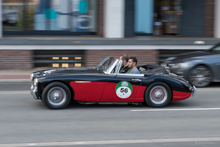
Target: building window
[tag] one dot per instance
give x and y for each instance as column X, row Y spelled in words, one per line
column 50, row 15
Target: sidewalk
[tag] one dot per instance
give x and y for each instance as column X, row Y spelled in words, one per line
column 15, row 76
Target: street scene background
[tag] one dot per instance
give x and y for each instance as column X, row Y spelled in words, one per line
column 49, row 34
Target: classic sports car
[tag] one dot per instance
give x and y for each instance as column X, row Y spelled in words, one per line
column 103, row 83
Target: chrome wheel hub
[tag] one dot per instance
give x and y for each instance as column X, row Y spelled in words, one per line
column 158, row 95
column 56, row 96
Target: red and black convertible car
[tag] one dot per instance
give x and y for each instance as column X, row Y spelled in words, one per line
column 103, row 83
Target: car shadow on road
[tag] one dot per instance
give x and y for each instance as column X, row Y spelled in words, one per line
column 101, row 106
column 76, row 105
column 179, row 104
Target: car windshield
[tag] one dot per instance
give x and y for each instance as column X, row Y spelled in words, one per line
column 215, row 49
column 106, row 63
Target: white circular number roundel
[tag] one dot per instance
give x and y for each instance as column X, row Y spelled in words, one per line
column 123, row 89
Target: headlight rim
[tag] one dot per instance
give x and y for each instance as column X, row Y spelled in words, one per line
column 32, row 76
column 35, row 81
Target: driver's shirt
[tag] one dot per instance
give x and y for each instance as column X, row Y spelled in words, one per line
column 124, row 69
column 133, row 71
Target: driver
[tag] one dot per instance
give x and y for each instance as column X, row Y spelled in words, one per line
column 132, row 63
column 124, row 67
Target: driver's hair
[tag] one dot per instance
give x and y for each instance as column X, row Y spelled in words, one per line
column 134, row 59
column 124, row 57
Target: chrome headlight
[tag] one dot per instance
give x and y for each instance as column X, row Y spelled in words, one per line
column 32, row 76
column 179, row 65
column 35, row 81
column 183, row 65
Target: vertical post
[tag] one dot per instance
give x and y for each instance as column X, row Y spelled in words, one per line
column 25, row 19
column 1, row 19
column 129, row 18
column 217, row 19
column 114, row 18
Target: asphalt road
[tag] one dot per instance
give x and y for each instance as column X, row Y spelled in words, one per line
column 27, row 122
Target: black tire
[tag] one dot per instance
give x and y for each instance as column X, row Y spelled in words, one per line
column 56, row 95
column 200, row 76
column 158, row 94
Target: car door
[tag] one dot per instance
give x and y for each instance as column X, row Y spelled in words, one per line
column 122, row 87
column 89, row 87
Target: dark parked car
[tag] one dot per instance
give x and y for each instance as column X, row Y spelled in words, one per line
column 200, row 67
column 103, row 83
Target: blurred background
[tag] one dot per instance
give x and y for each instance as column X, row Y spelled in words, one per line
column 78, row 33
column 39, row 34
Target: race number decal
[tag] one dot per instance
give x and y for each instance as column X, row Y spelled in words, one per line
column 123, row 89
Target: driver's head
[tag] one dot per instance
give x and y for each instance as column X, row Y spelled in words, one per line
column 132, row 62
column 124, row 59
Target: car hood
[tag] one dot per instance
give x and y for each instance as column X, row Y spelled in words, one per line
column 178, row 78
column 57, row 71
column 185, row 56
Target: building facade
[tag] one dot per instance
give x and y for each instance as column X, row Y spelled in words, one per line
column 114, row 19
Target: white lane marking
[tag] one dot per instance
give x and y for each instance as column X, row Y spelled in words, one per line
column 15, row 92
column 105, row 142
column 32, row 144
column 186, row 109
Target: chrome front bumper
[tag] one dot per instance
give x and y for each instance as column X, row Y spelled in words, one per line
column 194, row 91
column 34, row 92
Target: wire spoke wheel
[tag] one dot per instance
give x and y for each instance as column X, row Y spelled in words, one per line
column 158, row 94
column 56, row 95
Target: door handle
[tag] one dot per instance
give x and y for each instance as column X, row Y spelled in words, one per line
column 136, row 80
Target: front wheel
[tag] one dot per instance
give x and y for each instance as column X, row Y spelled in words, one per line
column 56, row 95
column 158, row 95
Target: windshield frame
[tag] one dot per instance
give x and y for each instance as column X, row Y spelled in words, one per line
column 110, row 66
column 116, row 65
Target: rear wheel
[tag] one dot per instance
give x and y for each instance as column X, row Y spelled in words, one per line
column 158, row 95
column 56, row 95
column 200, row 76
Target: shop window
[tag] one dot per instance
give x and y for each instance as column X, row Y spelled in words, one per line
column 12, row 15
column 167, row 15
column 50, row 15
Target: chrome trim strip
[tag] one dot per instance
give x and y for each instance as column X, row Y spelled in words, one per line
column 83, row 81
column 136, row 80
column 128, row 75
